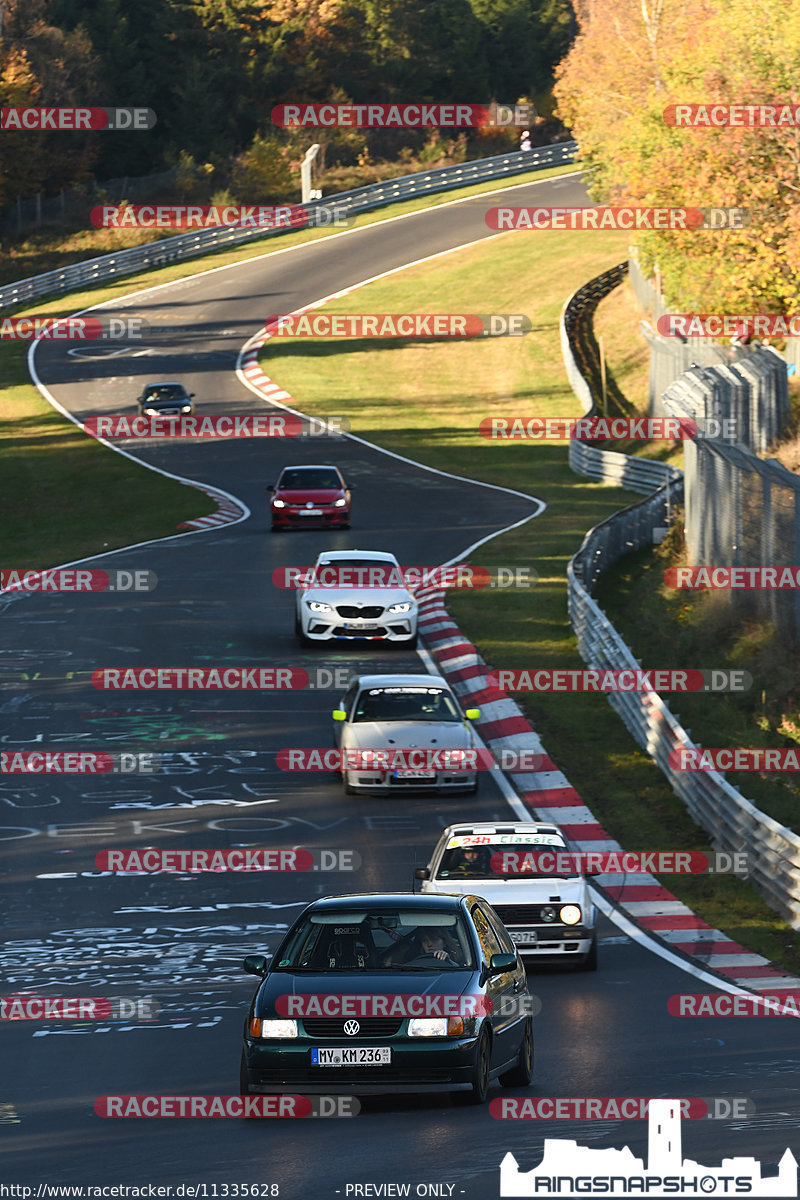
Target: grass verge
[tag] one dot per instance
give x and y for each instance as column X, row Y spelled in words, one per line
column 426, row 400
column 65, row 495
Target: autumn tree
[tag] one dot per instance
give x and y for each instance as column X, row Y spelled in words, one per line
column 633, row 59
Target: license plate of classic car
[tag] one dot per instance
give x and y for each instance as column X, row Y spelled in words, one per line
column 524, row 937
column 351, row 1056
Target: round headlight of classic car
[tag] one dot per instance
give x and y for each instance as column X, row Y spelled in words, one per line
column 570, row 914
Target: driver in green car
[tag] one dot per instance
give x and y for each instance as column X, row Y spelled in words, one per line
column 431, row 941
column 436, row 942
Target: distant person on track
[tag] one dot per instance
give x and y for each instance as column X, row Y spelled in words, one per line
column 525, row 140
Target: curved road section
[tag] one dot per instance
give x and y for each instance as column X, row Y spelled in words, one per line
column 74, row 929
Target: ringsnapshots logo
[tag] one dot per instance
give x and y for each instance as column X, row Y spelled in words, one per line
column 266, row 1107
column 71, row 579
column 625, row 218
column 568, row 1169
column 732, row 116
column 153, row 861
column 401, row 116
column 728, row 325
column 25, row 1007
column 397, row 325
column 219, row 216
column 76, row 120
column 224, row 426
column 73, row 329
column 620, row 680
column 78, row 762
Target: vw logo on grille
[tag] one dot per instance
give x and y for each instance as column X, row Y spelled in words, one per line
column 309, row 503
column 351, row 1028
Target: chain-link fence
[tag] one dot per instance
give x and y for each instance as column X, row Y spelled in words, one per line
column 741, row 510
column 670, row 357
column 75, row 204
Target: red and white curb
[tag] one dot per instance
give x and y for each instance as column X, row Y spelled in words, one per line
column 550, row 797
column 228, row 511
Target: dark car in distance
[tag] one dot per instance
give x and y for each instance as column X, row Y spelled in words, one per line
column 308, row 496
column 390, row 992
column 165, row 400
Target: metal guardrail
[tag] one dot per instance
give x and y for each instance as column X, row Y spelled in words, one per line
column 581, row 359
column 733, row 822
column 357, row 200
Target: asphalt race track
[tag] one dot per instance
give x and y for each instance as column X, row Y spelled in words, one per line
column 73, row 930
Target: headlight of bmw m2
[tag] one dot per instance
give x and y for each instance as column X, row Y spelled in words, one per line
column 318, row 606
column 405, row 606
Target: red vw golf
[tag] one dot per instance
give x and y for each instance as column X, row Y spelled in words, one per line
column 308, row 496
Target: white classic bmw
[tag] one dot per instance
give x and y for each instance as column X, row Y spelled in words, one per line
column 523, row 870
column 405, row 731
column 356, row 594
